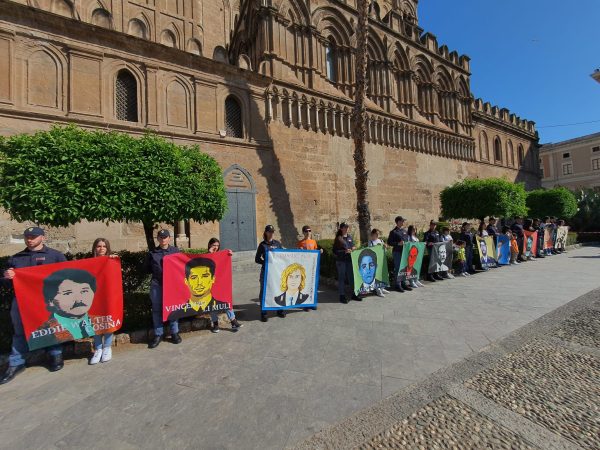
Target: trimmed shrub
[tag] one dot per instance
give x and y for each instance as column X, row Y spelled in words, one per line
column 558, row 202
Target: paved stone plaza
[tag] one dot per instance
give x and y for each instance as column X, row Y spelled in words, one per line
column 274, row 385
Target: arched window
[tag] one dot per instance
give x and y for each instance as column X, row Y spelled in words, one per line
column 521, row 155
column 331, row 57
column 511, row 153
column 233, row 118
column 126, row 102
column 101, row 17
column 497, row 149
column 484, row 148
column 137, row 28
column 194, row 47
column 168, row 38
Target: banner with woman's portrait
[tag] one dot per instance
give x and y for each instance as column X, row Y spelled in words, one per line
column 69, row 300
column 370, row 269
column 291, row 279
column 548, row 238
column 531, row 240
column 412, row 258
column 561, row 237
column 503, row 249
column 196, row 284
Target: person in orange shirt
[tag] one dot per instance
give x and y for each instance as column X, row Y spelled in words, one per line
column 308, row 243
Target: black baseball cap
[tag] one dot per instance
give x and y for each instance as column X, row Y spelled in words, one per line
column 164, row 234
column 432, row 222
column 269, row 228
column 399, row 219
column 306, row 228
column 343, row 225
column 34, row 231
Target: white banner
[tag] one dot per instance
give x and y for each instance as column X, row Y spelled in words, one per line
column 291, row 279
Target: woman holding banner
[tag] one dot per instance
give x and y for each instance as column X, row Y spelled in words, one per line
column 214, row 245
column 102, row 342
column 342, row 247
column 267, row 244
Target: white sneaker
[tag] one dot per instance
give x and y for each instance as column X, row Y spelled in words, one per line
column 463, row 274
column 95, row 359
column 379, row 293
column 450, row 276
column 385, row 291
column 414, row 285
column 467, row 274
column 420, row 284
column 107, row 354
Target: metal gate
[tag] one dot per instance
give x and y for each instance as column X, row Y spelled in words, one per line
column 238, row 226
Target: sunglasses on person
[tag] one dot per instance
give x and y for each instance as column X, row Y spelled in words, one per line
column 308, row 231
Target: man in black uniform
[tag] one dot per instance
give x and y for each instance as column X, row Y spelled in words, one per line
column 36, row 254
column 517, row 229
column 432, row 236
column 154, row 265
column 396, row 240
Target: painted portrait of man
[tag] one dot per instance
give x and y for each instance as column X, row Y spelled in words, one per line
column 293, row 281
column 199, row 279
column 440, row 259
column 411, row 271
column 367, row 268
column 68, row 295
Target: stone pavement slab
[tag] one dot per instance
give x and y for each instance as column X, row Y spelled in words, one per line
column 272, row 385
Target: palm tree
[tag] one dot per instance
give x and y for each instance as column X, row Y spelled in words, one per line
column 359, row 121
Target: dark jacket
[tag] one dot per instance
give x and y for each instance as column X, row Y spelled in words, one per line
column 517, row 229
column 468, row 238
column 341, row 245
column 492, row 231
column 432, row 237
column 28, row 258
column 263, row 248
column 396, row 239
column 154, row 261
column 280, row 299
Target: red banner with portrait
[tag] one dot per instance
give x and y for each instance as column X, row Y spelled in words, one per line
column 196, row 284
column 70, row 300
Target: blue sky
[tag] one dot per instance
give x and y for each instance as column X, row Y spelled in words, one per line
column 533, row 57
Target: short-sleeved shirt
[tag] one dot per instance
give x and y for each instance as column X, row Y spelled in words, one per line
column 307, row 244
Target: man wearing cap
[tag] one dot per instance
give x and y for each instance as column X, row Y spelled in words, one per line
column 432, row 236
column 154, row 266
column 396, row 240
column 491, row 229
column 36, row 254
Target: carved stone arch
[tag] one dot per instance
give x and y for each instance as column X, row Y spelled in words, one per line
column 139, row 26
column 398, row 56
column 497, row 149
column 462, row 87
column 178, row 105
column 298, row 8
column 225, row 93
column 171, row 36
column 44, row 83
column 194, row 46
column 484, row 146
column 376, row 48
column 109, row 75
column 330, row 21
column 238, row 179
column 92, row 6
column 220, row 54
column 64, row 8
column 244, row 62
column 443, row 79
column 101, row 18
column 423, row 68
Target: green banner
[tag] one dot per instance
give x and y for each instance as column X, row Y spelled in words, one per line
column 370, row 269
column 412, row 257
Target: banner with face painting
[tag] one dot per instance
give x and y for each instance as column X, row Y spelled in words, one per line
column 291, row 279
column 530, row 246
column 548, row 242
column 370, row 269
column 561, row 237
column 503, row 249
column 70, row 300
column 410, row 264
column 487, row 252
column 196, row 284
column 440, row 257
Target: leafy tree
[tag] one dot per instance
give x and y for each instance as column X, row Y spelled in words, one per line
column 65, row 175
column 588, row 214
column 475, row 198
column 557, row 202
